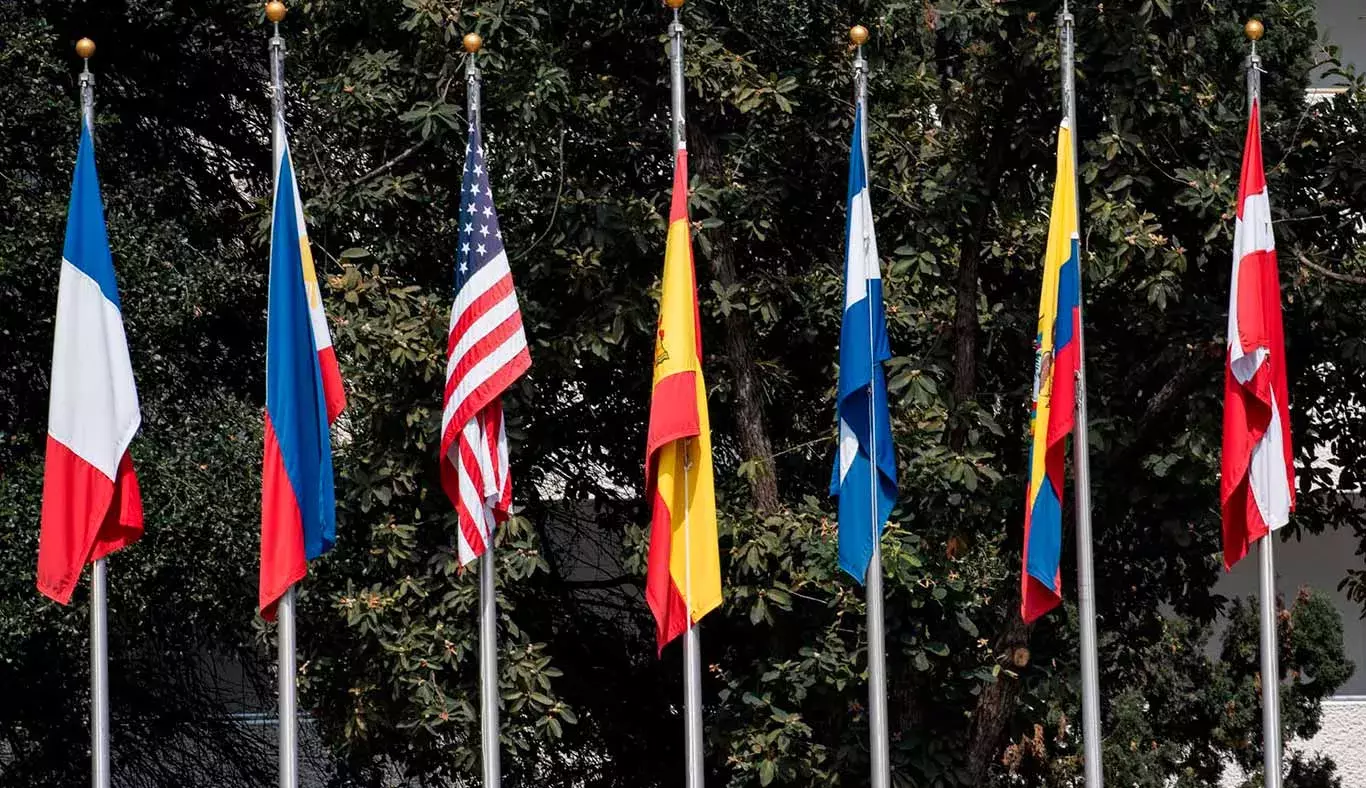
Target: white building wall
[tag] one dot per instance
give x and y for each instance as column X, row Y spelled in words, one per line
column 1343, row 22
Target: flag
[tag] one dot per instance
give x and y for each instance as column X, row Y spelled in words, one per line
column 1056, row 357
column 865, row 426
column 683, row 575
column 91, row 503
column 1257, row 488
column 486, row 352
column 304, row 396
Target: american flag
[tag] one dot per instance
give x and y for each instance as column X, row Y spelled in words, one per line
column 487, row 351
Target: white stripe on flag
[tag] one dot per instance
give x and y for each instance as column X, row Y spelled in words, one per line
column 1266, row 472
column 93, row 409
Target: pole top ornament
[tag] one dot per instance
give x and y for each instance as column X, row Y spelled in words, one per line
column 85, row 48
column 473, row 43
column 674, row 4
column 275, row 11
column 1253, row 30
column 858, row 34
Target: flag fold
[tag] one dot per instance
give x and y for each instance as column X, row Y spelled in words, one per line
column 1257, row 486
column 91, row 502
column 866, row 497
column 1056, row 359
column 683, row 573
column 304, row 396
column 486, row 352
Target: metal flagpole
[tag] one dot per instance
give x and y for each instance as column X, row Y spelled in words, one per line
column 692, row 649
column 99, row 589
column 1270, row 644
column 488, row 602
column 1081, row 461
column 878, row 745
column 287, row 667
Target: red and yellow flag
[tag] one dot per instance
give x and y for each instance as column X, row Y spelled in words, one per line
column 683, row 579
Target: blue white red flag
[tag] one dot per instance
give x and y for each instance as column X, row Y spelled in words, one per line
column 304, row 396
column 1056, row 360
column 486, row 352
column 866, row 496
column 91, row 503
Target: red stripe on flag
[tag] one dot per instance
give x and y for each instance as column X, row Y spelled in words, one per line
column 663, row 596
column 334, row 394
column 282, row 529
column 85, row 517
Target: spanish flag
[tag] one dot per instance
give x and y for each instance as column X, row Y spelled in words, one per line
column 683, row 579
column 1056, row 359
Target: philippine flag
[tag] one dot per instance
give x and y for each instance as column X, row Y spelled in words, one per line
column 91, row 503
column 304, row 396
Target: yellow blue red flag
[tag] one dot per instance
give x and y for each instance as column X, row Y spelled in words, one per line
column 1056, row 357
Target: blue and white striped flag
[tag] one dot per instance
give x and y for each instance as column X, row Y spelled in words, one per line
column 865, row 426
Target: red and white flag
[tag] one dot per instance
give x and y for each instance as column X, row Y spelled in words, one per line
column 1258, row 473
column 487, row 351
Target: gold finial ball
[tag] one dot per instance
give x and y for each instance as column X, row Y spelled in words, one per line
column 85, row 48
column 674, row 4
column 1254, row 30
column 473, row 42
column 858, row 34
column 275, row 11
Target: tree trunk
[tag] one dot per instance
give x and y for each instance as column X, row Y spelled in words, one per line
column 750, row 425
column 997, row 701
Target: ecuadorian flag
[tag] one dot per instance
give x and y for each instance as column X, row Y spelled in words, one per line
column 683, row 573
column 304, row 395
column 1056, row 359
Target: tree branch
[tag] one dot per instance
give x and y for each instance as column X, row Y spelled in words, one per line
column 554, row 210
column 1347, row 278
column 386, row 166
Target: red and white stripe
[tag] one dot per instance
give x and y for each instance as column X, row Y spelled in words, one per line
column 1258, row 473
column 487, row 351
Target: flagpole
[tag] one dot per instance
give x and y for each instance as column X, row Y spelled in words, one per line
column 1081, row 461
column 99, row 589
column 878, row 744
column 286, row 670
column 692, row 648
column 488, row 600
column 1270, row 644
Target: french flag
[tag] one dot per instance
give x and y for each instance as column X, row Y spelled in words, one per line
column 304, row 396
column 91, row 503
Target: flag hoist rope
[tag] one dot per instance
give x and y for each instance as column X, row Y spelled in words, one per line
column 878, row 739
column 1271, row 684
column 488, row 600
column 1081, row 457
column 99, row 589
column 287, row 667
column 692, row 651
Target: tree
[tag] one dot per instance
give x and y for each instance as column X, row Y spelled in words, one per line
column 965, row 112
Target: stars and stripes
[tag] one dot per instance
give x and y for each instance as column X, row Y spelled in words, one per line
column 487, row 351
column 1258, row 472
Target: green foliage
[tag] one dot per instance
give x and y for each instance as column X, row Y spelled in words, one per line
column 965, row 111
